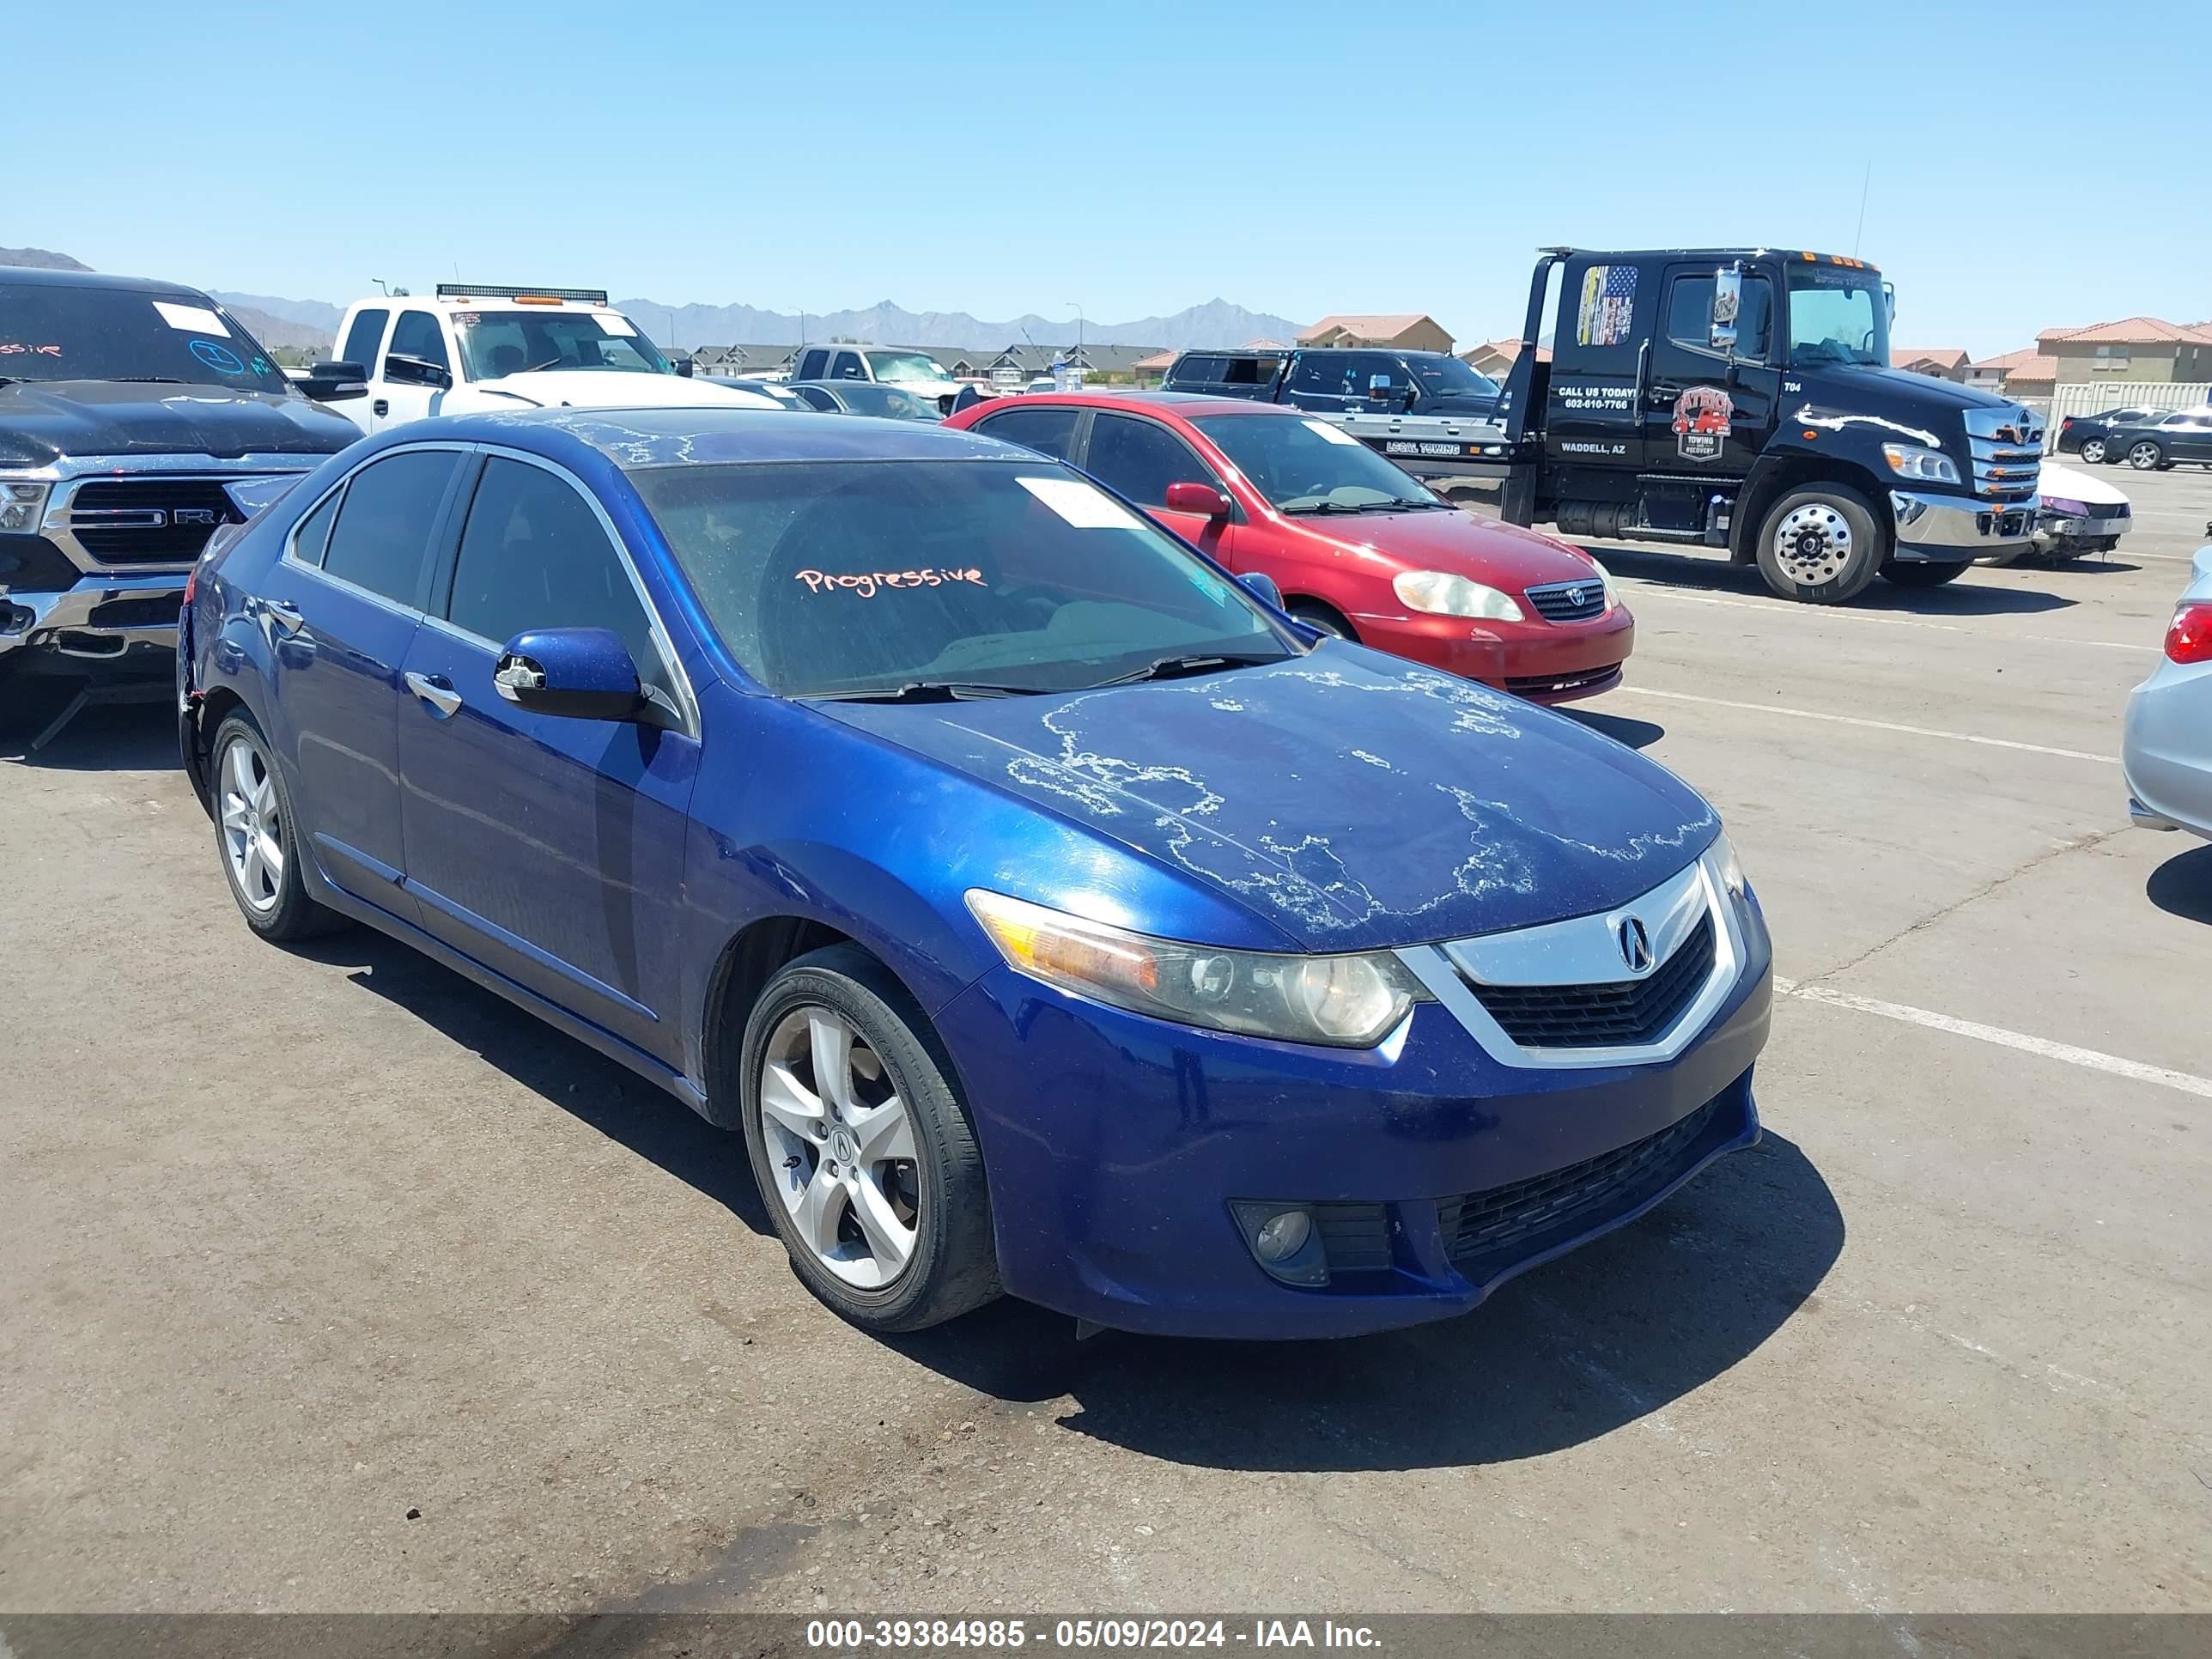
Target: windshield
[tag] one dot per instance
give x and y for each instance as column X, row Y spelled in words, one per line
column 1837, row 317
column 895, row 366
column 72, row 333
column 497, row 343
column 833, row 577
column 1448, row 377
column 1311, row 466
column 891, row 401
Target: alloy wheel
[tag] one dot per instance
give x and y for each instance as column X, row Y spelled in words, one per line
column 252, row 826
column 1813, row 543
column 2143, row 457
column 842, row 1141
column 2092, row 450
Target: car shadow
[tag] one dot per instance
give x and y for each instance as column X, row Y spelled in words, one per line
column 1569, row 1351
column 579, row 1079
column 1637, row 734
column 135, row 735
column 2182, row 886
column 1701, row 571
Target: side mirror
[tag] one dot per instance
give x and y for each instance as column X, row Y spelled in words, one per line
column 583, row 673
column 1198, row 498
column 333, row 383
column 1261, row 586
column 1728, row 295
column 1412, row 395
column 415, row 371
column 685, row 368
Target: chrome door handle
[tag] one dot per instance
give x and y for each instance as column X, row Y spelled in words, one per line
column 286, row 617
column 436, row 690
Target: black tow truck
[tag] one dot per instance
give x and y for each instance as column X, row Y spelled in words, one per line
column 1742, row 398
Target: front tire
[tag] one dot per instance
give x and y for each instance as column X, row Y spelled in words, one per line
column 1822, row 545
column 862, row 1147
column 259, row 839
column 2146, row 456
column 1920, row 572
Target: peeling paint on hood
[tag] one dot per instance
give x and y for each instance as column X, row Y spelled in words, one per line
column 1353, row 800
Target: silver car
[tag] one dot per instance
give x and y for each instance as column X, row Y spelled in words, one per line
column 2167, row 753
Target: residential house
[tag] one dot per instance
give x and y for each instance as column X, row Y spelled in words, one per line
column 2023, row 374
column 1496, row 358
column 1942, row 362
column 738, row 363
column 2133, row 349
column 1407, row 331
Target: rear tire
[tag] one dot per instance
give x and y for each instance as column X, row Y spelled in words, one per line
column 2092, row 451
column 865, row 1159
column 1917, row 572
column 1314, row 614
column 1822, row 545
column 258, row 841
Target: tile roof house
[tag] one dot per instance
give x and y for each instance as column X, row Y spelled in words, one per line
column 1409, row 332
column 2025, row 373
column 1944, row 362
column 2129, row 348
column 1496, row 358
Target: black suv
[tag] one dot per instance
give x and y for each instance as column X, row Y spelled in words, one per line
column 137, row 418
column 1341, row 379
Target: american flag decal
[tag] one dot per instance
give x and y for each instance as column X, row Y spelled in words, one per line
column 1609, row 305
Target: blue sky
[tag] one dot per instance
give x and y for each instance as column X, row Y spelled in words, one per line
column 1132, row 159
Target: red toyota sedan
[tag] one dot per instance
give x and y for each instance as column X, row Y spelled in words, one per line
column 1358, row 548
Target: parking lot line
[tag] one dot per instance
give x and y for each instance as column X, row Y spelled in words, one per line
column 1784, row 607
column 2094, row 1060
column 1876, row 725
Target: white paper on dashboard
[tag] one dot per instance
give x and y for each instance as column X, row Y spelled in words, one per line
column 192, row 319
column 1082, row 505
column 615, row 323
column 1336, row 434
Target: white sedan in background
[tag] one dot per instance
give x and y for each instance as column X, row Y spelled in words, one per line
column 2165, row 754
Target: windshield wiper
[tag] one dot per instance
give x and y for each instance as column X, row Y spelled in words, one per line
column 1168, row 668
column 926, row 691
column 148, row 380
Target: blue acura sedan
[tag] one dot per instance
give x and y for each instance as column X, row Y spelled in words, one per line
column 1049, row 914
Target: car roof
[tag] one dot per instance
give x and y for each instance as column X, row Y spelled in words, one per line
column 1184, row 403
column 666, row 437
column 40, row 277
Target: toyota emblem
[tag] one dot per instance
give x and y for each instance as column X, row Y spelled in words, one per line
column 1635, row 940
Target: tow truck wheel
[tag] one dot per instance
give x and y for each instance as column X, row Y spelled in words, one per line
column 1820, row 545
column 1921, row 573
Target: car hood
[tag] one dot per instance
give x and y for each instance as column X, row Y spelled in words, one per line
column 1871, row 382
column 2070, row 483
column 601, row 388
column 1352, row 801
column 1502, row 554
column 43, row 421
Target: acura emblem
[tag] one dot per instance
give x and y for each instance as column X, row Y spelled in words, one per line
column 1635, row 942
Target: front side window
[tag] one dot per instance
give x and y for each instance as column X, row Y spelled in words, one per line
column 1141, row 458
column 1690, row 315
column 417, row 335
column 1448, row 377
column 894, row 578
column 520, row 340
column 810, row 364
column 65, row 332
column 362, row 339
column 895, row 366
column 818, row 398
column 846, row 367
column 1309, row 466
column 1049, row 431
column 382, row 537
column 1837, row 315
column 534, row 555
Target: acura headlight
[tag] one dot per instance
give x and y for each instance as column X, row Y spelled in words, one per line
column 1927, row 465
column 1441, row 593
column 21, row 507
column 1346, row 1002
column 1720, row 855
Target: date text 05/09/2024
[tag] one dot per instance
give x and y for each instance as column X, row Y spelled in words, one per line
column 1008, row 1635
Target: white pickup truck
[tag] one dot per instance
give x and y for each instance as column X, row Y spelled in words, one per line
column 471, row 350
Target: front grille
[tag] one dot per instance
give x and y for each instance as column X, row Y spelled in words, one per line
column 2105, row 509
column 1562, row 602
column 1543, row 686
column 1505, row 1221
column 32, row 565
column 2006, row 447
column 145, row 529
column 1629, row 1012
column 1355, row 1237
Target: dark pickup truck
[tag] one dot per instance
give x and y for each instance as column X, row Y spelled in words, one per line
column 137, row 418
column 1426, row 410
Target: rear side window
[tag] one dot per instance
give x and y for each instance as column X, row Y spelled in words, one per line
column 362, row 339
column 1324, row 376
column 417, row 335
column 816, row 396
column 535, row 555
column 1248, row 371
column 1191, row 370
column 810, row 364
column 1049, row 431
column 382, row 538
column 1140, row 459
column 314, row 534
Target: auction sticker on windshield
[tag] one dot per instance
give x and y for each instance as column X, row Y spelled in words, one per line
column 1082, row 505
column 613, row 322
column 191, row 320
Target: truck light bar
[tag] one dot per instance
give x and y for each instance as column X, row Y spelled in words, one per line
column 596, row 296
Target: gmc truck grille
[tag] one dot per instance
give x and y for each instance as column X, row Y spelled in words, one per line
column 1499, row 1222
column 1622, row 1014
column 1561, row 602
column 148, row 521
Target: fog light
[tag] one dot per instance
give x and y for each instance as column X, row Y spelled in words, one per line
column 1282, row 1239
